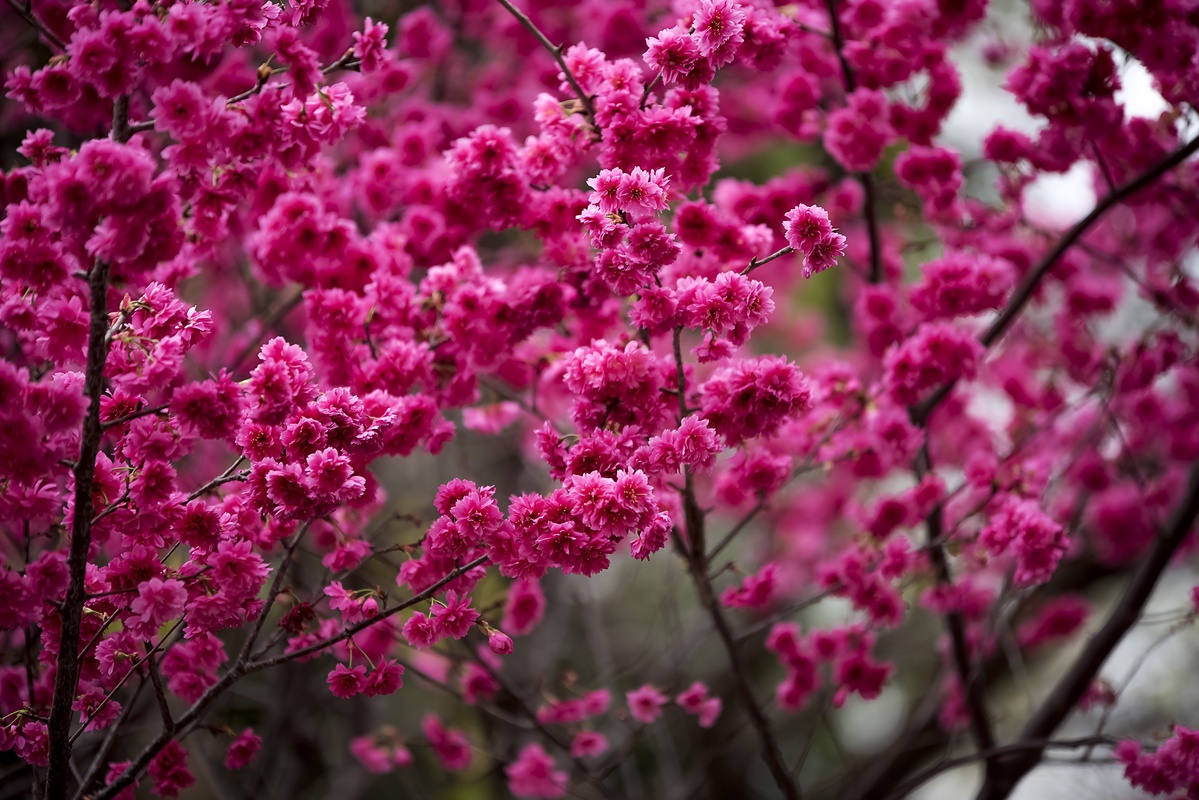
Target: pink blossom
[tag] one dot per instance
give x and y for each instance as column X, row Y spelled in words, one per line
column 587, row 744
column 533, row 774
column 385, row 678
column 157, row 601
column 243, row 750
column 451, row 747
column 645, row 704
column 500, row 643
column 347, row 681
column 672, row 52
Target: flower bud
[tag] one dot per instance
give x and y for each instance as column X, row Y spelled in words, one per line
column 500, row 643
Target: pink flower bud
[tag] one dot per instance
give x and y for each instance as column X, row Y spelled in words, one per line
column 500, row 643
column 370, row 607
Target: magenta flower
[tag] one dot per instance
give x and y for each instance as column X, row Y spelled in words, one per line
column 345, row 681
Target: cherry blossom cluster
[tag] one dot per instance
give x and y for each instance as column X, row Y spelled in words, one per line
column 250, row 253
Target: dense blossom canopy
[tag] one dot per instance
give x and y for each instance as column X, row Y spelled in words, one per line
column 253, row 250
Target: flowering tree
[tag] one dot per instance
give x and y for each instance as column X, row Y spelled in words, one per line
column 252, row 249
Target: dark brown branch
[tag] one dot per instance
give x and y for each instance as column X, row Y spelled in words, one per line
column 921, row 778
column 228, row 476
column 555, row 50
column 649, row 87
column 771, row 752
column 120, row 119
column 265, row 73
column 756, row 262
column 160, row 695
column 522, row 705
column 923, row 736
column 132, row 415
column 50, row 36
column 100, row 759
column 66, row 679
column 758, row 508
column 366, row 623
column 693, row 550
column 276, row 584
column 1028, row 286
column 870, row 211
column 242, row 668
column 133, row 670
column 680, row 373
column 1074, row 684
column 972, row 689
column 807, row 466
column 870, row 204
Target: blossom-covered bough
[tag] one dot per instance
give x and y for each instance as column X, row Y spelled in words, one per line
column 252, row 249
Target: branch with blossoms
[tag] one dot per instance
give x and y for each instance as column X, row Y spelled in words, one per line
column 844, row 126
column 253, row 265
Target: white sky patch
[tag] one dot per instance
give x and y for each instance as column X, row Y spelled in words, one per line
column 1060, row 200
column 983, row 106
column 1137, row 93
column 868, row 726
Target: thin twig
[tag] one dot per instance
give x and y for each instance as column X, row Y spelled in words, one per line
column 66, row 679
column 756, row 262
column 972, row 690
column 276, row 584
column 133, row 668
column 694, row 520
column 50, row 36
column 1074, row 684
column 228, row 476
column 921, row 778
column 366, row 623
column 649, row 87
column 100, row 759
column 522, row 706
column 758, row 508
column 265, row 73
column 869, row 205
column 193, row 715
column 555, row 50
column 160, row 695
column 132, row 415
column 1027, row 288
column 1142, row 659
column 272, row 318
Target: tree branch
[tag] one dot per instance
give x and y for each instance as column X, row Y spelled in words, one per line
column 255, row 666
column 1024, row 292
column 693, row 550
column 870, row 205
column 756, row 262
column 1028, row 286
column 100, row 758
column 272, row 318
column 243, row 668
column 66, row 679
column 50, row 36
column 1070, row 689
column 160, row 695
column 276, row 584
column 228, row 476
column 921, row 778
column 555, row 50
column 972, row 689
